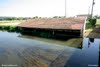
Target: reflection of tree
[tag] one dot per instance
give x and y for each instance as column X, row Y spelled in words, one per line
column 81, row 45
column 91, row 40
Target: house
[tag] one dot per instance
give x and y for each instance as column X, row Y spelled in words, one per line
column 73, row 26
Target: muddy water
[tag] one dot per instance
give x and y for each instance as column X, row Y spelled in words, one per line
column 18, row 50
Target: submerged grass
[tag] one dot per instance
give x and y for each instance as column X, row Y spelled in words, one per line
column 72, row 42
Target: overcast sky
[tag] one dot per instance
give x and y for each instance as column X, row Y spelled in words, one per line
column 46, row 8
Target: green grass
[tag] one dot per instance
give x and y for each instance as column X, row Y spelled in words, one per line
column 98, row 22
column 9, row 28
column 11, row 23
column 89, row 26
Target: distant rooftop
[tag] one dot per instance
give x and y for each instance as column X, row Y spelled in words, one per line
column 85, row 15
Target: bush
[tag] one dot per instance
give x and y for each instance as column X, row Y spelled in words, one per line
column 9, row 28
column 92, row 21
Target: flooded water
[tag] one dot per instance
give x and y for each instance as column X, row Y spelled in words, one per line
column 18, row 50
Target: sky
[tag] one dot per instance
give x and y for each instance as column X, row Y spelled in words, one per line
column 47, row 8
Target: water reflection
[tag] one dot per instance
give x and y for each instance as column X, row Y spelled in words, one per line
column 88, row 56
column 71, row 42
column 29, row 51
column 90, row 41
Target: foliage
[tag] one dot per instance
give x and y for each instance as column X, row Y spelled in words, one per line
column 13, row 18
column 97, row 17
column 35, row 17
column 25, row 18
column 9, row 28
column 59, row 17
column 88, row 26
column 92, row 21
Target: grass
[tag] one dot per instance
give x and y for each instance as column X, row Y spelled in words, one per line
column 11, row 23
column 92, row 31
column 89, row 26
column 8, row 21
column 98, row 22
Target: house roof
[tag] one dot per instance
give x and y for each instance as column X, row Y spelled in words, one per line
column 74, row 23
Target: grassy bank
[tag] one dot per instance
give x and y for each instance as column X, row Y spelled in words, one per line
column 93, row 31
column 89, row 27
column 9, row 28
column 98, row 22
column 11, row 23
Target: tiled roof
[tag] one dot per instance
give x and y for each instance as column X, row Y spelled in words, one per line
column 74, row 23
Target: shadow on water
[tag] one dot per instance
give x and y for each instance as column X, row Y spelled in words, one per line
column 49, row 36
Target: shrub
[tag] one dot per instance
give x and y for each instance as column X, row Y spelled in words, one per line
column 92, row 21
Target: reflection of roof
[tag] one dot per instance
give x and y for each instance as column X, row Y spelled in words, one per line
column 75, row 23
